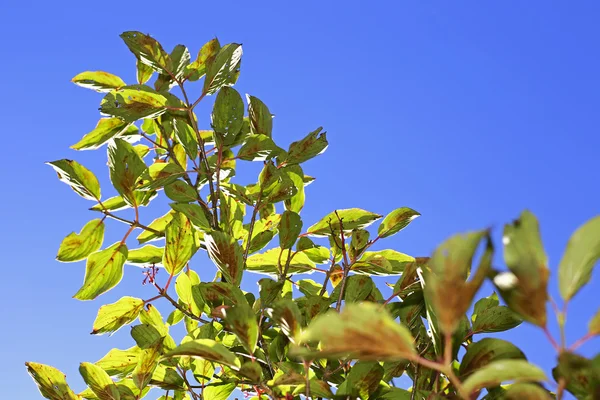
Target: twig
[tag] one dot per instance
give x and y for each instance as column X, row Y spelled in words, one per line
column 175, row 304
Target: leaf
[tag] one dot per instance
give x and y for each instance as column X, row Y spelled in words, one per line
column 159, row 175
column 76, row 247
column 104, row 270
column 261, row 120
column 242, row 322
column 133, row 102
column 258, row 148
column 488, row 316
column 81, row 180
column 397, row 220
column 181, row 191
column 362, row 380
column 485, row 351
column 147, row 50
column 179, row 244
column 227, row 255
column 296, row 202
column 228, row 115
column 125, row 167
column 312, row 145
column 594, row 324
column 288, row 317
column 224, row 69
column 111, row 317
column 218, row 390
column 215, row 294
column 144, row 256
column 185, row 135
column 358, row 288
column 195, row 214
column 99, row 382
column 269, row 263
column 146, row 335
column 167, row 378
column 582, row 253
column 98, row 80
column 159, row 224
column 106, row 129
column 197, row 69
column 50, row 381
column 581, row 376
column 526, row 391
column 115, row 203
column 352, row 218
column 119, row 362
column 180, row 59
column 500, row 371
column 524, row 289
column 383, row 262
column 289, row 229
column 363, row 331
column 207, row 349
column 147, row 363
column 445, row 286
column 144, row 72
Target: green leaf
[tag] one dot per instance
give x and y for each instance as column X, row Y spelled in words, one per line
column 50, row 381
column 352, row 218
column 362, row 380
column 180, row 59
column 125, row 167
column 159, row 224
column 185, row 135
column 146, row 335
column 526, row 391
column 133, row 102
column 358, row 288
column 144, row 72
column 99, row 81
column 224, row 69
column 227, row 255
column 500, row 371
column 594, row 324
column 195, row 214
column 147, row 50
column 197, row 69
column 115, row 203
column 446, row 289
column 317, row 388
column 252, row 371
column 103, row 271
column 113, row 316
column 81, row 180
column 288, row 317
column 144, row 256
column 524, row 289
column 167, row 378
column 581, row 376
column 270, row 291
column 485, row 351
column 289, row 229
column 269, row 263
column 227, row 115
column 181, row 191
column 383, row 262
column 261, row 119
column 99, row 382
column 242, row 322
column 364, row 331
column 582, row 253
column 119, row 362
column 296, row 202
column 397, row 220
column 488, row 316
column 312, row 145
column 218, row 390
column 215, row 294
column 106, row 129
column 179, row 244
column 147, row 363
column 207, row 349
column 76, row 247
column 159, row 175
column 258, row 148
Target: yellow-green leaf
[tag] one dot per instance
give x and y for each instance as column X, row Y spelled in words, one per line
column 397, row 220
column 50, row 381
column 224, row 69
column 119, row 362
column 99, row 381
column 113, row 316
column 197, row 68
column 134, row 102
column 500, row 371
column 106, row 129
column 352, row 218
column 104, row 270
column 179, row 247
column 81, row 179
column 76, row 247
column 227, row 254
column 206, row 349
column 99, row 81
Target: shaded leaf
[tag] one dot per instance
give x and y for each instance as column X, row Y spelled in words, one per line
column 488, row 316
column 289, row 229
column 76, row 247
column 195, row 214
column 312, row 145
column 148, row 50
column 287, row 316
column 500, row 371
column 125, row 167
column 484, row 352
column 181, row 191
column 261, row 120
column 258, row 148
column 224, row 69
column 227, row 116
column 362, row 381
column 227, row 254
column 242, row 322
column 103, row 271
column 134, row 102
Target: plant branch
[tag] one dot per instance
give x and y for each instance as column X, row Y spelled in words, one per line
column 175, row 304
column 251, row 229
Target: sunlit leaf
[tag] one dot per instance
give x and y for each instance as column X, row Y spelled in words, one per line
column 258, row 148
column 312, row 145
column 352, row 218
column 146, row 256
column 119, row 362
column 99, row 382
column 224, row 69
column 208, row 350
column 397, row 220
column 159, row 224
column 99, row 81
column 113, row 316
column 76, row 247
column 500, row 371
column 261, row 120
column 197, row 68
column 270, row 263
column 195, row 214
column 148, row 50
column 81, row 180
column 103, row 271
column 106, row 129
column 227, row 254
column 134, row 102
column 50, row 381
column 125, row 167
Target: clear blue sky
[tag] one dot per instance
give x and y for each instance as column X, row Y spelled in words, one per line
column 466, row 111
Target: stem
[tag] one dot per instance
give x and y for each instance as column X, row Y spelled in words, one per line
column 252, row 222
column 346, row 264
column 551, row 339
column 447, row 348
column 561, row 388
column 444, row 369
column 134, row 224
column 175, row 304
column 581, row 341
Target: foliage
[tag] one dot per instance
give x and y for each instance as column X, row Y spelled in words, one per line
column 334, row 337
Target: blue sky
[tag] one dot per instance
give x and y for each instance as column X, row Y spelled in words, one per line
column 468, row 112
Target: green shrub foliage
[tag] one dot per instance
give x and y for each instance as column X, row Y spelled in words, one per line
column 318, row 326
